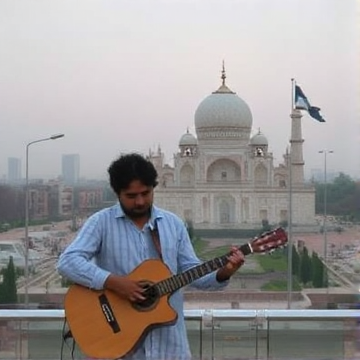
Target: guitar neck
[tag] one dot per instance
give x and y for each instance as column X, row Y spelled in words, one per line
column 176, row 282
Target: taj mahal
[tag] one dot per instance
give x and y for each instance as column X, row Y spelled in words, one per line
column 224, row 178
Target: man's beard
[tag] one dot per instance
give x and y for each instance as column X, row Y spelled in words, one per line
column 136, row 213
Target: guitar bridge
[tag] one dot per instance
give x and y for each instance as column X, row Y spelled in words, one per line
column 108, row 313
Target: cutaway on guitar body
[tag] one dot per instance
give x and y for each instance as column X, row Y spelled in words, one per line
column 105, row 325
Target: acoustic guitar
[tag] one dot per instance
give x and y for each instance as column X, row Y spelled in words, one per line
column 105, row 325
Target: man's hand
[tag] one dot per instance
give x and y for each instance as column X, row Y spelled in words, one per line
column 125, row 287
column 236, row 259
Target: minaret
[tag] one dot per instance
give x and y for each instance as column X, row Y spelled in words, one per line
column 296, row 149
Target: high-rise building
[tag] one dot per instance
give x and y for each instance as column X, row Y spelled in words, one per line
column 70, row 168
column 14, row 170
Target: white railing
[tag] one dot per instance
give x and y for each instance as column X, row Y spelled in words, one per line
column 213, row 334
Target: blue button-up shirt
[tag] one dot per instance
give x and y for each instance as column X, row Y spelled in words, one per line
column 109, row 242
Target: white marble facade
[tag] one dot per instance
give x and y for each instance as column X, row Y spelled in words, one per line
column 225, row 178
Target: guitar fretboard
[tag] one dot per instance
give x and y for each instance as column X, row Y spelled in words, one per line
column 176, row 282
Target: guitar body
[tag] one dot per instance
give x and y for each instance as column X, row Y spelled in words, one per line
column 105, row 325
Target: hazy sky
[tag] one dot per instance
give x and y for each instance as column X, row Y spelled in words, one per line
column 118, row 75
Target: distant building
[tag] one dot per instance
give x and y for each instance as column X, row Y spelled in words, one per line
column 89, row 199
column 55, row 199
column 66, row 201
column 14, row 170
column 38, row 201
column 70, row 168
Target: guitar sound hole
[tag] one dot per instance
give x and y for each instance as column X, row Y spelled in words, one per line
column 151, row 297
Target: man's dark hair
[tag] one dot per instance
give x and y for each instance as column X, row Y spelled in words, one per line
column 130, row 167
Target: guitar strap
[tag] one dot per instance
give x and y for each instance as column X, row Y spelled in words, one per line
column 156, row 240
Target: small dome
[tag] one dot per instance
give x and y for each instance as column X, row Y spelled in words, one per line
column 188, row 140
column 259, row 139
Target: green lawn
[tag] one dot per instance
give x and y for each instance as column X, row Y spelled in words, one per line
column 275, row 261
column 281, row 285
column 261, row 263
column 272, row 262
column 213, row 253
column 200, row 246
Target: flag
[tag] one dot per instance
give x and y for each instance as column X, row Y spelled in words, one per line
column 302, row 103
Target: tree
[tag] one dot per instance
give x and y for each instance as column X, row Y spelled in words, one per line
column 305, row 266
column 284, row 224
column 8, row 291
column 318, row 271
column 265, row 225
column 295, row 266
column 343, row 197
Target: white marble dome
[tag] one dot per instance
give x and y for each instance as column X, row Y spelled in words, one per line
column 188, row 140
column 259, row 139
column 223, row 109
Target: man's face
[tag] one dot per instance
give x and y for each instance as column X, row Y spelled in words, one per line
column 137, row 199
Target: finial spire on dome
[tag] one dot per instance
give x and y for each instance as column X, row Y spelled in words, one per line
column 223, row 89
column 223, row 73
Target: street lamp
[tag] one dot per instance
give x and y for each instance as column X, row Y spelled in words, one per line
column 52, row 137
column 325, row 152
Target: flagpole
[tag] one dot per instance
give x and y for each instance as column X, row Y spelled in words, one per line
column 289, row 157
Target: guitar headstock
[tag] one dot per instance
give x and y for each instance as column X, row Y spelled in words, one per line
column 269, row 240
